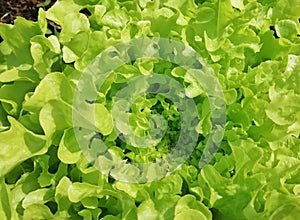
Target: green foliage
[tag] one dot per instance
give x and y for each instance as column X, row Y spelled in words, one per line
column 254, row 49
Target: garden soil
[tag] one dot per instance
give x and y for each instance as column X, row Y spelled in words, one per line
column 10, row 9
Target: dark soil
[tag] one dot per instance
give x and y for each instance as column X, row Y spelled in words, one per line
column 10, row 9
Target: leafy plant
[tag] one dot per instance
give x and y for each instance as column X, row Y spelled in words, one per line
column 254, row 50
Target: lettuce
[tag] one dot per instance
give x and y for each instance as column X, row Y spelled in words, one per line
column 116, row 89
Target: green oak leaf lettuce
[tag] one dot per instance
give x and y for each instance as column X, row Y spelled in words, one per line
column 253, row 48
